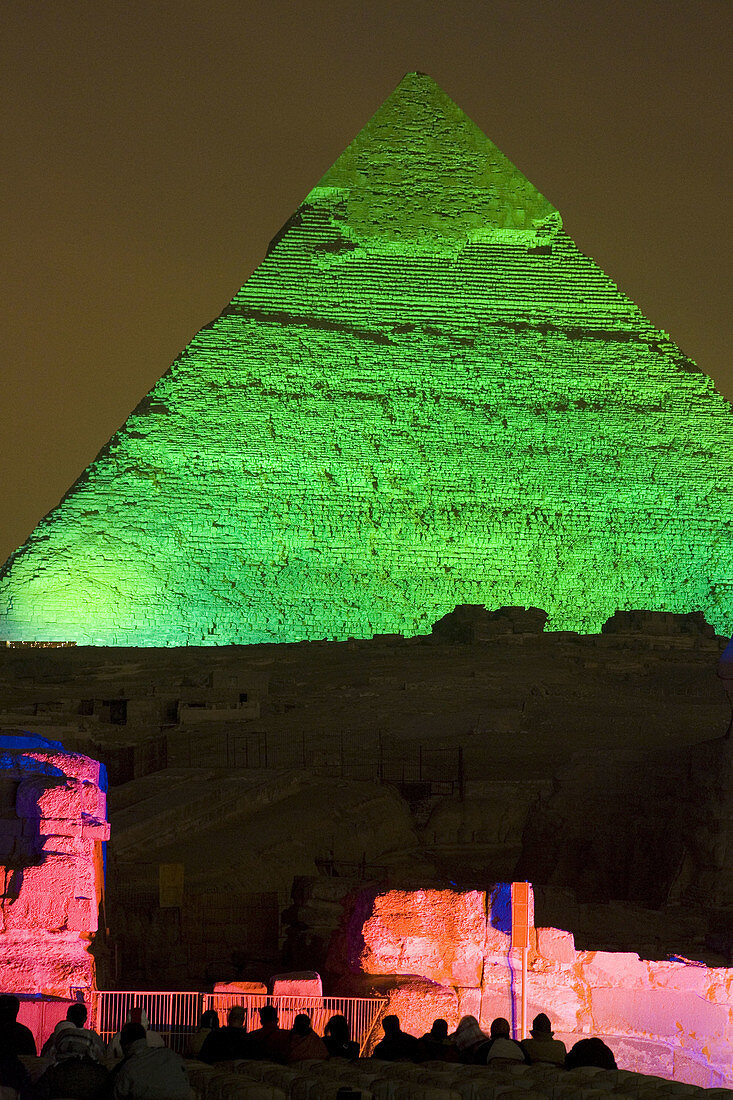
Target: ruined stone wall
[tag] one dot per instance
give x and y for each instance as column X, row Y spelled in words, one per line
column 439, row 953
column 52, row 832
column 424, row 396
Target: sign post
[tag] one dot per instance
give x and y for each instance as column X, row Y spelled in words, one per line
column 520, row 939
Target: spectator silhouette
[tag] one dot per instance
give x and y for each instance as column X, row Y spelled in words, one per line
column 139, row 1016
column 501, row 1049
column 590, row 1052
column 436, row 1044
column 468, row 1038
column 74, row 1073
column 15, row 1038
column 397, row 1045
column 148, row 1073
column 225, row 1043
column 269, row 1041
column 209, row 1022
column 305, row 1045
column 71, row 1038
column 542, row 1047
column 337, row 1038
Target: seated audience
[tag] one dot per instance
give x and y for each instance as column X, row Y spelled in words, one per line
column 501, row 1049
column 337, row 1038
column 74, row 1073
column 467, row 1038
column 15, row 1038
column 148, row 1073
column 397, row 1045
column 542, row 1047
column 209, row 1022
column 436, row 1044
column 590, row 1052
column 134, row 1016
column 224, row 1043
column 70, row 1037
column 305, row 1045
column 270, row 1041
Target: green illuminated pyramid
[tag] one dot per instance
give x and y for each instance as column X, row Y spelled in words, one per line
column 424, row 396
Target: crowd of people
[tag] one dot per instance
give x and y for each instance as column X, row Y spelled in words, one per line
column 469, row 1044
column 137, row 1065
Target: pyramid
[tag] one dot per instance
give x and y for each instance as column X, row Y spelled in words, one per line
column 424, row 396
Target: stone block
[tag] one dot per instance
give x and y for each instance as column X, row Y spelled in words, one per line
column 556, row 946
column 657, row 1012
column 614, row 968
column 305, row 983
column 240, row 987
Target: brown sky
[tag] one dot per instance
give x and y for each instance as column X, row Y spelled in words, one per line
column 151, row 149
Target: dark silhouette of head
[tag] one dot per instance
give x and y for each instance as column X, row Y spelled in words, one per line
column 500, row 1028
column 130, row 1034
column 268, row 1014
column 9, row 1008
column 590, row 1052
column 210, row 1019
column 235, row 1016
column 338, row 1028
column 302, row 1023
column 439, row 1030
column 77, row 1014
column 391, row 1025
column 541, row 1025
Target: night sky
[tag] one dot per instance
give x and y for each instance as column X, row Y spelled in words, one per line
column 151, row 150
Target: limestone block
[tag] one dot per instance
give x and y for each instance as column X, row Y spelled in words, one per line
column 556, row 946
column 305, row 983
column 559, row 994
column 37, row 910
column 699, row 980
column 52, row 965
column 241, row 987
column 658, row 1012
column 436, row 933
column 614, row 968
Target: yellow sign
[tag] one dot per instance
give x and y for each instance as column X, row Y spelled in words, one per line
column 170, row 885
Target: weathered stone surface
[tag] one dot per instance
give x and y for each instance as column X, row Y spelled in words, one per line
column 54, row 882
column 240, row 987
column 439, row 933
column 306, row 983
column 555, row 945
column 418, row 1002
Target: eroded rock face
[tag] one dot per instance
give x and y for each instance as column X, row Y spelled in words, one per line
column 449, row 954
column 52, row 830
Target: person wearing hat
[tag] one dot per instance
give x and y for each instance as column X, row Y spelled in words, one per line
column 542, row 1047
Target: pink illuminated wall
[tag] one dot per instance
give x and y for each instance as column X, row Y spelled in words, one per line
column 443, row 953
column 52, row 832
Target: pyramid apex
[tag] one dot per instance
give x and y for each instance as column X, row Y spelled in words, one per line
column 422, row 171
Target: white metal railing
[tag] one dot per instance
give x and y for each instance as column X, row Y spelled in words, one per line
column 176, row 1015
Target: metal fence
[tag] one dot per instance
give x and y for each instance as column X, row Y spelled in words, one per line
column 176, row 1015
